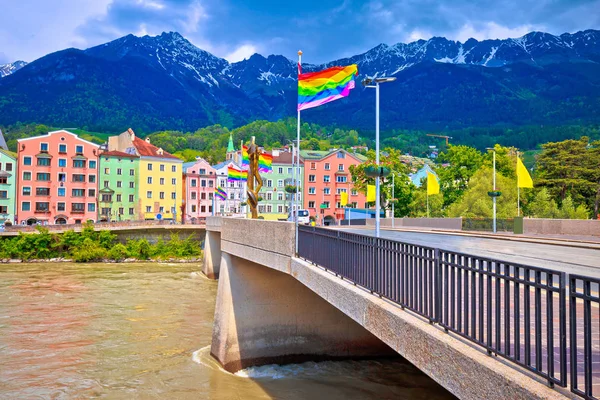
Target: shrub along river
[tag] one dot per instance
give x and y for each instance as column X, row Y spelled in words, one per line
column 142, row 331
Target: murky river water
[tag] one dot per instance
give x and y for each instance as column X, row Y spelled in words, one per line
column 143, row 331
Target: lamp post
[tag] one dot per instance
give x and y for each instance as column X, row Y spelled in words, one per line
column 494, row 194
column 374, row 83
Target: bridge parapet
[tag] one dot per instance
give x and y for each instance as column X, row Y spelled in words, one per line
column 213, row 224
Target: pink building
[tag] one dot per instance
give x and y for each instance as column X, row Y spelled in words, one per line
column 199, row 185
column 326, row 177
column 58, row 179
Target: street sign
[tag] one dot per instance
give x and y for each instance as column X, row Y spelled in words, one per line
column 323, row 206
column 494, row 194
column 159, row 216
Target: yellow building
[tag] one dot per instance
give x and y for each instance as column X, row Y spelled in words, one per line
column 160, row 177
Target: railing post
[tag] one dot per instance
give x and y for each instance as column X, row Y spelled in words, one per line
column 438, row 285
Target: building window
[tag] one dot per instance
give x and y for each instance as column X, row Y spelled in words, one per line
column 60, row 207
column 119, row 184
column 173, row 168
column 340, row 179
column 203, row 208
column 210, row 184
column 131, row 185
column 161, row 195
column 42, row 207
column 26, row 176
column 119, row 171
column 131, row 198
column 149, row 194
column 106, row 198
column 149, row 180
column 131, row 172
column 62, row 163
column 78, row 207
column 173, row 195
column 78, row 178
column 269, row 208
column 269, row 183
column 312, row 178
column 79, row 149
column 79, row 163
column 91, row 207
column 44, row 147
column 3, row 180
column 202, row 171
column 3, row 194
column 162, row 167
column 107, row 171
column 193, row 183
column 121, row 210
column 25, row 206
column 62, row 192
column 26, row 160
column 326, row 178
column 313, row 165
column 326, row 204
column 354, row 192
column 193, row 194
column 43, row 162
column 92, row 164
column 162, row 181
column 173, row 181
column 290, row 171
column 269, row 196
column 149, row 167
column 279, row 196
column 203, row 183
column 161, row 209
column 280, row 170
column 280, row 183
column 91, row 192
column 341, row 154
column 26, row 191
column 42, row 191
column 9, row 167
column 340, row 190
column 311, row 204
column 327, row 191
column 130, row 211
column 118, row 198
column 340, row 167
column 62, row 148
column 148, row 209
column 43, row 176
column 77, row 192
column 92, row 178
column 280, row 209
column 327, row 166
column 105, row 184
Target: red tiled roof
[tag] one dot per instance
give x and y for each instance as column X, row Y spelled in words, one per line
column 116, row 153
column 285, row 157
column 149, row 150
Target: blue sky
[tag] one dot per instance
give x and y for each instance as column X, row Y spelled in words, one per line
column 235, row 29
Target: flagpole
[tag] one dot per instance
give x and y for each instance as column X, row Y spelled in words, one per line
column 428, row 203
column 518, row 189
column 298, row 151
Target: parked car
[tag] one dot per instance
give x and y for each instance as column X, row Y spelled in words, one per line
column 303, row 217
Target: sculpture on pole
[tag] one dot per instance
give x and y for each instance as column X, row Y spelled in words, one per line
column 253, row 173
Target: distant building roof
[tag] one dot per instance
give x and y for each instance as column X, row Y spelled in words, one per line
column 418, row 176
column 320, row 154
column 285, row 157
column 145, row 148
column 230, row 147
column 9, row 153
column 3, row 144
column 116, row 153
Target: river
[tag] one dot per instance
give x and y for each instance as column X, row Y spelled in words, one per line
column 143, row 331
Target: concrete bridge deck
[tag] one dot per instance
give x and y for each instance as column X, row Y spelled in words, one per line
column 275, row 308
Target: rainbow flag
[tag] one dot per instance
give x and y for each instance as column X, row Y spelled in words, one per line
column 221, row 193
column 234, row 174
column 318, row 88
column 245, row 157
column 265, row 162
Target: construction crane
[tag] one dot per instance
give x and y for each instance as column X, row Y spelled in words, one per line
column 441, row 136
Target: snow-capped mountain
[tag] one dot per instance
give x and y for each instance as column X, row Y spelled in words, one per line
column 7, row 69
column 165, row 82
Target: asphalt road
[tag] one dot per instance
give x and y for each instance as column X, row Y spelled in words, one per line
column 572, row 260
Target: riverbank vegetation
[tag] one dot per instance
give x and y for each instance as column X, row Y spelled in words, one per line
column 90, row 245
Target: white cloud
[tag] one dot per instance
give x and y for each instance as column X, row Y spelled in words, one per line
column 418, row 34
column 150, row 4
column 241, row 53
column 491, row 30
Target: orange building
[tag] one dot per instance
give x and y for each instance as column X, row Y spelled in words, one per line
column 326, row 176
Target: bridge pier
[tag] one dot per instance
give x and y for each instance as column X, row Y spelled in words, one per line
column 212, row 254
column 264, row 316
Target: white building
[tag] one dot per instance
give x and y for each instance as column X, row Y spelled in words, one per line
column 236, row 192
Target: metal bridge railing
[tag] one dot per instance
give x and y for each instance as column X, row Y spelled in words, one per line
column 515, row 311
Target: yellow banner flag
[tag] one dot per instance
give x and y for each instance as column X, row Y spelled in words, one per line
column 343, row 199
column 370, row 193
column 433, row 187
column 523, row 178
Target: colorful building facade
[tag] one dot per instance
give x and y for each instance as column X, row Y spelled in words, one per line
column 326, row 176
column 58, row 179
column 160, row 176
column 200, row 181
column 118, row 193
column 8, row 186
column 234, row 205
column 276, row 202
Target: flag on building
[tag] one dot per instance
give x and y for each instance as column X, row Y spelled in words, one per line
column 265, row 162
column 523, row 178
column 318, row 88
column 234, row 174
column 370, row 193
column 433, row 186
column 220, row 193
column 343, row 199
column 245, row 158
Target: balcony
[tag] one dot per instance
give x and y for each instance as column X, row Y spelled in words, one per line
column 77, row 211
column 41, row 211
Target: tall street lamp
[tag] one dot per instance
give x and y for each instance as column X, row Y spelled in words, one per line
column 374, row 83
column 494, row 193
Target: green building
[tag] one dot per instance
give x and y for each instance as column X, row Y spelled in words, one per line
column 8, row 184
column 276, row 202
column 118, row 194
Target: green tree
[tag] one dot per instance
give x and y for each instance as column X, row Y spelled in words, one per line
column 461, row 163
column 542, row 206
